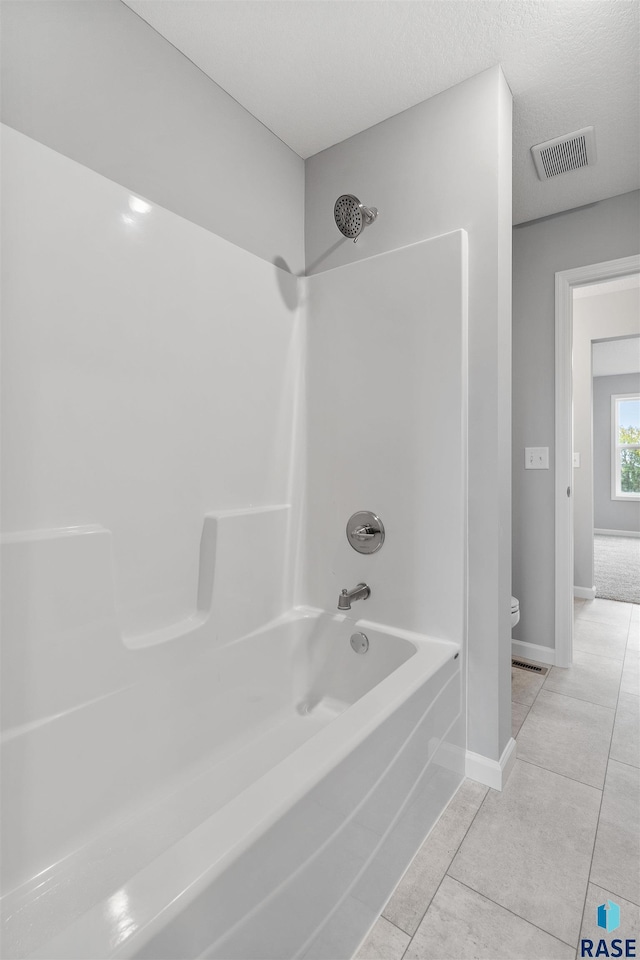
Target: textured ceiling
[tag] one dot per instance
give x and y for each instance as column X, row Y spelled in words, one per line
column 318, row 71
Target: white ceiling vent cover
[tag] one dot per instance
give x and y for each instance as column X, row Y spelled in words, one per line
column 564, row 154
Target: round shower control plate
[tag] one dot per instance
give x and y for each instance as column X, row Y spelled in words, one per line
column 359, row 642
column 365, row 532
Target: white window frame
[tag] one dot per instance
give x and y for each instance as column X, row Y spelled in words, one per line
column 616, row 492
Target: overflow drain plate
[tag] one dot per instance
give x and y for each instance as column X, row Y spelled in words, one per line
column 359, row 642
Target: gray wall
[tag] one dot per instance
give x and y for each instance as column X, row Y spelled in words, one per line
column 417, row 168
column 98, row 84
column 610, row 514
column 603, row 231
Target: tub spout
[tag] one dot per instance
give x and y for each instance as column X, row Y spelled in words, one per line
column 346, row 598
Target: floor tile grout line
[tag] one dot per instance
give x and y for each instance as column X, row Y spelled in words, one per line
column 521, row 703
column 556, row 693
column 517, row 734
column 606, row 623
column 602, row 656
column 588, row 653
column 623, row 603
column 623, row 762
column 595, row 836
column 613, row 893
column 386, row 919
column 517, row 915
column 541, row 687
column 565, row 776
column 393, row 924
column 446, row 873
column 604, row 620
column 625, row 693
column 582, row 699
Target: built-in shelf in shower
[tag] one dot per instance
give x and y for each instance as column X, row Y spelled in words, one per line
column 61, row 620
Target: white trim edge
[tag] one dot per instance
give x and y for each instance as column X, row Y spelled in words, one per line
column 618, row 533
column 584, row 593
column 533, row 651
column 493, row 773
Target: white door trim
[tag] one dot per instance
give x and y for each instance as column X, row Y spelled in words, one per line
column 565, row 281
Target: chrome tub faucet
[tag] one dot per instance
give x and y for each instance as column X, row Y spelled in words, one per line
column 346, row 598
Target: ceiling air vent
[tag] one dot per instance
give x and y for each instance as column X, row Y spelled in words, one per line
column 564, row 154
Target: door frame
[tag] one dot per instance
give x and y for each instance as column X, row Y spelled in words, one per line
column 566, row 280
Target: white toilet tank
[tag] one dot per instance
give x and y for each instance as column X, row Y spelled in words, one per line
column 515, row 611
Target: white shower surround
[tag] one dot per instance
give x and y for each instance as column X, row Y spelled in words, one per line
column 178, row 496
column 118, row 395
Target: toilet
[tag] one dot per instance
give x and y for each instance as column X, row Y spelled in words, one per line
column 515, row 611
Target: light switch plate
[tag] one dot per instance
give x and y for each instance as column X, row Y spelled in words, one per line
column 576, row 459
column 536, row 458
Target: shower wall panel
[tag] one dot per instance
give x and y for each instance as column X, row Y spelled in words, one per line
column 386, row 396
column 149, row 377
column 421, row 172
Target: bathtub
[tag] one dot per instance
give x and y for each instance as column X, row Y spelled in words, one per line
column 261, row 800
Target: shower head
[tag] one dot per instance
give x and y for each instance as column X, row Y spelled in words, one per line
column 351, row 216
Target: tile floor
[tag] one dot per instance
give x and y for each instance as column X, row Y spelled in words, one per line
column 519, row 874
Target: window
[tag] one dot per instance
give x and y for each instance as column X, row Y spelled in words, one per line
column 625, row 462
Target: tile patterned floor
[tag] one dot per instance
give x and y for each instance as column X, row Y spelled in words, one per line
column 519, row 874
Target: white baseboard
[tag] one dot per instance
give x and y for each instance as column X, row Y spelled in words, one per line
column 585, row 593
column 533, row 651
column 493, row 773
column 618, row 533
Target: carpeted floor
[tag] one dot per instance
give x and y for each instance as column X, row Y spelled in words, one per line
column 616, row 562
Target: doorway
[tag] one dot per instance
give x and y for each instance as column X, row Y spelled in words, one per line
column 615, row 372
column 567, row 282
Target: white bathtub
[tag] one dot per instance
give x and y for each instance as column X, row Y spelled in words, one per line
column 259, row 801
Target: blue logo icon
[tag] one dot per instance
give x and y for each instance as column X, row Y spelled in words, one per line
column 609, row 916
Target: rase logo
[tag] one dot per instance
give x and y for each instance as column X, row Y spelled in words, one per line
column 608, row 917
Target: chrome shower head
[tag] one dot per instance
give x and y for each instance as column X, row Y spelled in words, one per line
column 351, row 216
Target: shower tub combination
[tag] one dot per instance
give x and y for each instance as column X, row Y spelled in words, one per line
column 260, row 801
column 192, row 765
